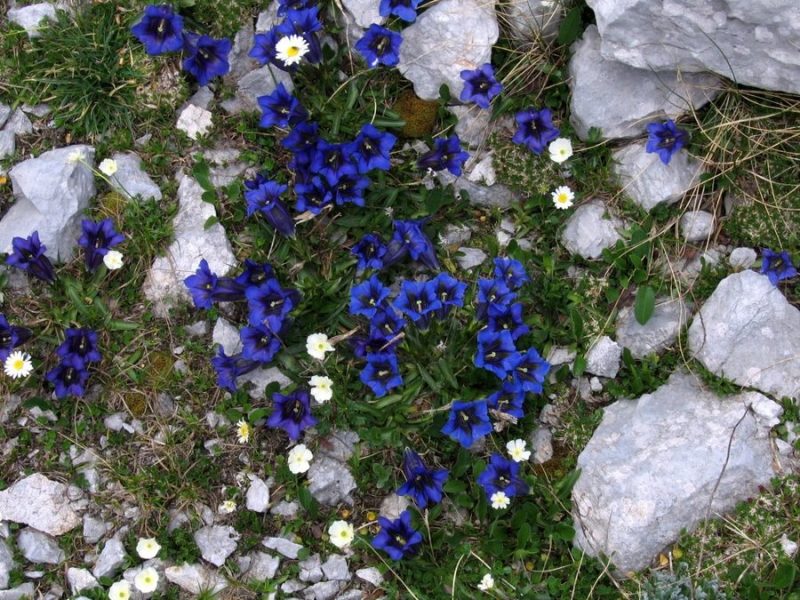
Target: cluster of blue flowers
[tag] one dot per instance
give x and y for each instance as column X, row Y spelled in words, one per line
column 268, row 307
column 301, row 18
column 161, row 31
column 77, row 351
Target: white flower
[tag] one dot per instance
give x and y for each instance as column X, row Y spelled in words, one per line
column 108, row 167
column 74, row 157
column 146, row 580
column 517, row 451
column 226, row 507
column 121, row 590
column 486, row 583
column 321, row 388
column 147, row 548
column 243, row 431
column 113, row 260
column 500, row 500
column 341, row 534
column 299, row 459
column 560, row 149
column 18, row 364
column 317, row 345
column 291, row 49
column 563, row 197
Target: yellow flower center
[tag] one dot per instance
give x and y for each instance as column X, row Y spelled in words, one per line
column 292, row 51
column 18, row 364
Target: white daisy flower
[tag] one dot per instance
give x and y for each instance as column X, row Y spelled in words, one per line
column 500, row 500
column 299, row 459
column 486, row 583
column 18, row 364
column 517, row 450
column 291, row 49
column 147, row 548
column 121, row 590
column 563, row 197
column 321, row 388
column 146, row 580
column 317, row 345
column 108, row 167
column 243, row 431
column 341, row 534
column 113, row 260
column 560, row 150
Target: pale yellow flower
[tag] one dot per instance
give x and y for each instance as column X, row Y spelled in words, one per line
column 299, row 459
column 146, row 580
column 341, row 534
column 121, row 590
column 500, row 500
column 317, row 345
column 108, row 167
column 147, row 548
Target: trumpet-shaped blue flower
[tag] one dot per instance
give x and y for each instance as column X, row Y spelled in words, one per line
column 312, row 195
column 508, row 318
column 502, row 475
column 381, row 373
column 449, row 291
column 11, row 336
column 424, row 485
column 380, row 46
column 397, row 538
column 329, row 160
column 777, row 265
column 69, row 377
column 508, row 400
column 528, row 371
column 367, row 297
column 493, row 298
column 665, row 139
column 302, row 138
column 386, row 324
column 259, row 343
column 229, row 368
column 446, row 154
column 417, row 300
column 535, row 129
column 292, row 413
column 371, row 149
column 305, row 23
column 269, row 304
column 348, row 186
column 160, row 30
column 206, row 287
column 263, row 49
column 264, row 198
column 496, row 352
column 286, row 5
column 28, row 254
column 369, row 251
column 96, row 240
column 408, row 239
column 206, row 57
column 254, row 274
column 467, row 422
column 403, row 9
column 480, row 86
column 511, row 272
column 81, row 343
column 281, row 108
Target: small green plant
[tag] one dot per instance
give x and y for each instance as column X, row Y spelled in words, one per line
column 679, row 586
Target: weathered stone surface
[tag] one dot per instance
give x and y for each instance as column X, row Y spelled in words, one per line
column 31, row 17
column 257, row 498
column 39, row 502
column 603, row 357
column 455, row 235
column 259, row 566
column 339, row 445
column 80, row 579
column 652, row 465
column 94, row 529
column 748, row 332
column 310, row 569
column 216, row 543
column 496, row 195
column 194, row 121
column 26, row 591
column 660, row 332
column 469, row 258
column 5, row 112
column 6, row 564
column 636, row 97
column 195, row 578
column 8, row 144
column 254, row 84
column 227, row 336
column 650, row 182
column 533, row 20
column 260, row 378
column 38, row 547
column 330, row 481
column 364, row 12
column 111, row 559
column 131, row 180
column 697, row 225
column 370, row 575
column 19, row 123
column 463, row 31
column 541, row 445
column 335, row 568
column 225, row 165
column 742, row 258
column 324, row 590
column 240, row 62
column 51, row 193
column 193, row 242
column 750, row 41
column 393, row 506
column 591, row 229
column 286, row 547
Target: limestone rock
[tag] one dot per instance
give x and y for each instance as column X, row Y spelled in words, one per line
column 94, row 529
column 8, row 144
column 254, row 84
column 748, row 332
column 239, row 60
column 650, row 182
column 324, row 590
column 19, row 123
column 651, row 467
column 636, row 97
column 335, row 568
column 257, row 495
column 194, row 121
column 541, row 445
column 52, row 192
column 330, row 481
column 259, row 566
column 286, row 547
column 131, row 180
column 39, row 502
column 25, row 591
column 38, row 547
column 533, row 20
column 371, row 575
column 603, row 357
column 80, row 579
column 6, row 564
column 706, row 36
column 195, row 578
column 455, row 235
column 193, row 242
column 227, row 336
column 31, row 17
column 5, row 112
column 742, row 258
column 260, row 378
column 697, row 225
column 660, row 332
column 310, row 569
column 463, row 31
column 111, row 559
column 216, row 543
column 496, row 195
column 364, row 12
column 469, row 258
column 590, row 230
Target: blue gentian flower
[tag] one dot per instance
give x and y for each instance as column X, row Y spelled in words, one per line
column 417, row 300
column 81, row 343
column 265, row 199
column 28, row 254
column 206, row 57
column 397, row 538
column 292, row 413
column 511, row 272
column 11, row 336
column 408, row 239
column 229, row 368
column 371, row 149
column 206, row 287
column 254, row 273
column 665, row 139
column 286, row 5
column 348, row 186
column 312, row 195
column 404, row 9
column 380, row 46
column 369, row 251
column 374, row 343
column 528, row 371
column 496, row 352
column 449, row 291
column 493, row 297
column 777, row 265
column 305, row 23
column 424, row 485
column 96, row 240
column 508, row 400
column 381, row 373
column 446, row 154
column 281, row 108
column 467, row 422
column 387, row 324
column 535, row 129
column 509, row 318
column 69, row 377
column 329, row 159
column 160, row 30
column 302, row 138
column 367, row 297
column 263, row 49
column 259, row 343
column 502, row 475
column 480, row 86
column 269, row 304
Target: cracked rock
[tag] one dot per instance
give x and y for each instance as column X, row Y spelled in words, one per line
column 38, row 547
column 216, row 543
column 39, row 502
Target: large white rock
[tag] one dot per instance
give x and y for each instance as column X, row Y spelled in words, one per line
column 38, row 547
column 41, row 503
column 591, row 229
column 131, row 180
column 193, row 242
column 660, row 331
column 216, row 543
column 449, row 37
column 653, row 466
column 648, row 181
column 753, row 42
column 530, row 21
column 51, row 193
column 748, row 332
column 621, row 100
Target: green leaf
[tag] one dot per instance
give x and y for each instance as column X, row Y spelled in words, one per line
column 579, row 365
column 784, row 576
column 202, row 173
column 645, row 304
column 571, row 27
column 523, row 535
column 210, row 222
column 454, row 486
